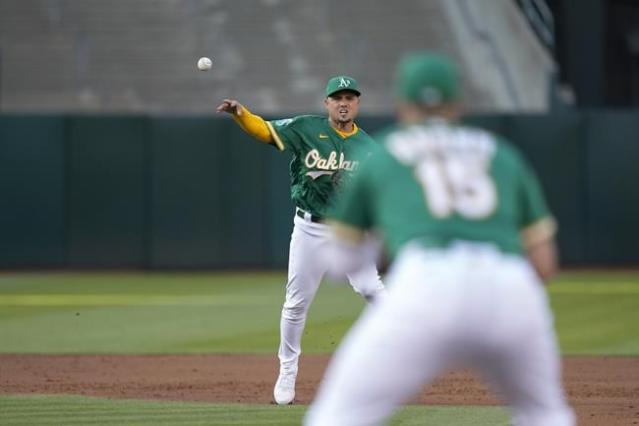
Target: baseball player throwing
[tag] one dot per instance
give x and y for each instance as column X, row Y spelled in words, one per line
column 464, row 218
column 325, row 151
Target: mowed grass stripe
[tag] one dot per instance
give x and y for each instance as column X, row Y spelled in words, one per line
column 86, row 410
column 109, row 299
column 20, row 410
column 575, row 287
column 243, row 300
column 100, row 411
column 112, row 417
column 130, row 300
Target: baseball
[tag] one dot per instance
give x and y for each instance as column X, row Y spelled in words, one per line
column 204, row 63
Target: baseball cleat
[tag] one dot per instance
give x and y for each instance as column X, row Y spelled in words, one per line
column 284, row 391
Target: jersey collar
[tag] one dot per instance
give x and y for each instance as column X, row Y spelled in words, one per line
column 345, row 135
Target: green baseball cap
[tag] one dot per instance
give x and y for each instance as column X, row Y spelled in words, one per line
column 427, row 78
column 342, row 82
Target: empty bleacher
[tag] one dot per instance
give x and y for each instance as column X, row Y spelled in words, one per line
column 138, row 56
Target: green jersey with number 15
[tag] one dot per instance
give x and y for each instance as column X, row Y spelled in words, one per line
column 437, row 183
column 322, row 158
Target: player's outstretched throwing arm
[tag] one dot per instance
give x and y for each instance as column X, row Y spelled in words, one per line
column 252, row 124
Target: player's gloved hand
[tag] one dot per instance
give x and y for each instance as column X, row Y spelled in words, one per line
column 230, row 106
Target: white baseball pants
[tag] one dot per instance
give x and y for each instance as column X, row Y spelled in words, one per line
column 305, row 272
column 468, row 306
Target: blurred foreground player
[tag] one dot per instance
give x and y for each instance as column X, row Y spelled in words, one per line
column 464, row 218
column 326, row 152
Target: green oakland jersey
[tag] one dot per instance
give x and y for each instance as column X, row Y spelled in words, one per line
column 438, row 183
column 322, row 158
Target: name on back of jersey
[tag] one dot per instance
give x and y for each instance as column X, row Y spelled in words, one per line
column 411, row 145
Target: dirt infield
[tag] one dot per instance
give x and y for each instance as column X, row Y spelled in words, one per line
column 603, row 390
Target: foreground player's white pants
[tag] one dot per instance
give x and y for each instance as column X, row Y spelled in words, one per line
column 466, row 306
column 305, row 271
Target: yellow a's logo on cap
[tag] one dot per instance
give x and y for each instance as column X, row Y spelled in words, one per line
column 344, row 82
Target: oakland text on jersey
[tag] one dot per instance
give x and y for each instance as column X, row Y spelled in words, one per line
column 412, row 144
column 314, row 160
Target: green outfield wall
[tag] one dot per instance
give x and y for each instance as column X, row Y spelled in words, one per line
column 81, row 191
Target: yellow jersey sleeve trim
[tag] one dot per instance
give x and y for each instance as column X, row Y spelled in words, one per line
column 254, row 125
column 539, row 231
column 276, row 138
column 346, row 232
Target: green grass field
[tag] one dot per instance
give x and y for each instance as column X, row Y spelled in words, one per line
column 596, row 313
column 75, row 410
